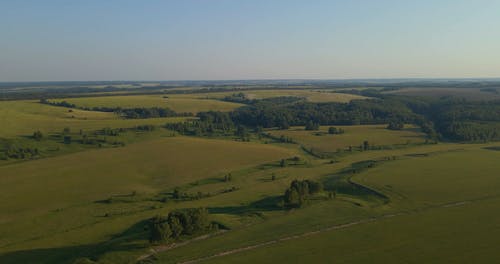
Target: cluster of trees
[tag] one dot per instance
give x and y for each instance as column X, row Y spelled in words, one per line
column 152, row 112
column 463, row 120
column 281, row 138
column 335, row 131
column 449, row 118
column 298, row 192
column 132, row 113
column 271, row 114
column 37, row 135
column 179, row 222
column 145, row 128
column 15, row 152
column 310, row 125
column 110, row 131
column 395, row 125
column 208, row 124
column 238, row 98
column 62, row 103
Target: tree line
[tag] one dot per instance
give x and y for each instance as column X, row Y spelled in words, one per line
column 130, row 113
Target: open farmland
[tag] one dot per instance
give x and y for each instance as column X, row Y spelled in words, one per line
column 87, row 188
column 354, row 136
column 181, row 104
column 145, row 168
column 318, row 96
column 22, row 118
column 433, row 206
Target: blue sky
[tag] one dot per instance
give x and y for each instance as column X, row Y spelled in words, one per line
column 247, row 39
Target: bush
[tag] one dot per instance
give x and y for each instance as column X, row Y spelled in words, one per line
column 334, row 130
column 37, row 135
column 177, row 223
column 299, row 191
column 395, row 125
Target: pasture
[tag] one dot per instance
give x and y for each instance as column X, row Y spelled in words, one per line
column 441, row 212
column 318, row 96
column 376, row 135
column 22, row 118
column 180, row 104
column 90, row 204
column 47, row 191
column 309, row 95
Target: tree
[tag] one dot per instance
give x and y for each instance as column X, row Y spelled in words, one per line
column 283, row 124
column 366, row 145
column 283, row 163
column 177, row 194
column 395, row 125
column 37, row 135
column 314, row 187
column 67, row 139
column 310, row 125
column 292, row 198
column 159, row 229
column 334, row 130
column 175, row 226
column 299, row 191
column 241, row 132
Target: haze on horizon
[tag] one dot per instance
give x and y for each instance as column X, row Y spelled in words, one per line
column 223, row 39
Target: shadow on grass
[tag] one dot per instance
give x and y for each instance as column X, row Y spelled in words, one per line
column 494, row 148
column 271, row 203
column 128, row 240
column 341, row 182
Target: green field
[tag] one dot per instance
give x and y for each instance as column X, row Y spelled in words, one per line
column 181, row 104
column 50, row 192
column 21, row 118
column 310, row 95
column 90, row 203
column 433, row 213
column 376, row 135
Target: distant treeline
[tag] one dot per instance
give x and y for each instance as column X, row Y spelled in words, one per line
column 443, row 118
column 132, row 113
column 448, row 118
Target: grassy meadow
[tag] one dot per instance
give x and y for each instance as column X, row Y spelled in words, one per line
column 22, row 118
column 181, row 104
column 436, row 216
column 403, row 200
column 309, row 95
column 376, row 135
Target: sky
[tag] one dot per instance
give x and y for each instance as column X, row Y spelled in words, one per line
column 84, row 40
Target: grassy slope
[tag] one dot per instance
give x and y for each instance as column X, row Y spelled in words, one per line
column 191, row 103
column 353, row 136
column 310, row 95
column 20, row 118
column 441, row 230
column 447, row 235
column 63, row 187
